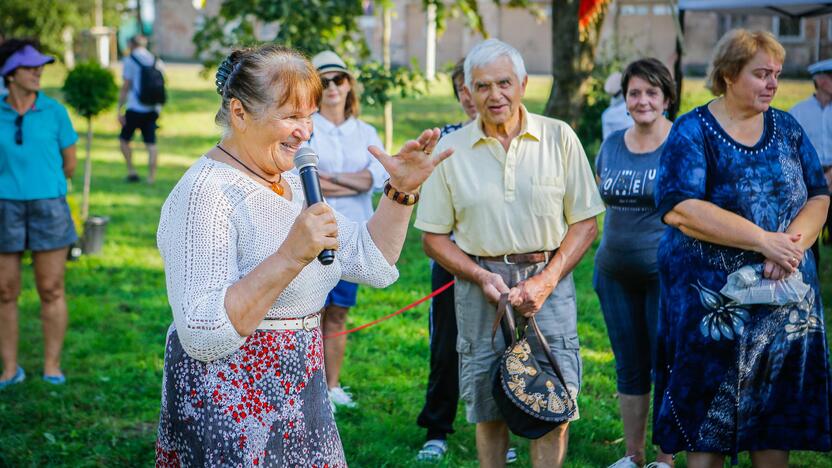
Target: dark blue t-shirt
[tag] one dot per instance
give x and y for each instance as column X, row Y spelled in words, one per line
column 632, row 226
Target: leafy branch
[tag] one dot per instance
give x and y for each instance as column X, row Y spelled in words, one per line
column 380, row 85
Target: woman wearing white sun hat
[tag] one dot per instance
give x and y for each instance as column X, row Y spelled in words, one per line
column 349, row 175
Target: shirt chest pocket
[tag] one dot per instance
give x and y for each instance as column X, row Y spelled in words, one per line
column 547, row 196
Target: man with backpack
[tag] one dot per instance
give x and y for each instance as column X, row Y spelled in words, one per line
column 143, row 92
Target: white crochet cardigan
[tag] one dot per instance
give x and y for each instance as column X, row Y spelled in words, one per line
column 217, row 225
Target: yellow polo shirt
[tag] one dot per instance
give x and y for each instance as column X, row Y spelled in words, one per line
column 502, row 202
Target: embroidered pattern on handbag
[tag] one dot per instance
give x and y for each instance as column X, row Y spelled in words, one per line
column 520, row 371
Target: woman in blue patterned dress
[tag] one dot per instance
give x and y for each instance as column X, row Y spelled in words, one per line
column 740, row 184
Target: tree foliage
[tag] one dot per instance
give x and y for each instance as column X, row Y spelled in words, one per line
column 573, row 47
column 469, row 11
column 315, row 25
column 310, row 26
column 46, row 20
column 90, row 89
column 380, row 85
column 596, row 101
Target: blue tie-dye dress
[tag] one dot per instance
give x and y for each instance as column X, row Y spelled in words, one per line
column 732, row 378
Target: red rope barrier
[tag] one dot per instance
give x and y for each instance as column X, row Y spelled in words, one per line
column 400, row 311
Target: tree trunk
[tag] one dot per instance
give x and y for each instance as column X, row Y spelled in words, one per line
column 69, row 48
column 139, row 16
column 430, row 42
column 678, row 73
column 85, row 204
column 573, row 58
column 387, row 14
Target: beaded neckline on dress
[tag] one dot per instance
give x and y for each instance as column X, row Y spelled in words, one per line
column 769, row 117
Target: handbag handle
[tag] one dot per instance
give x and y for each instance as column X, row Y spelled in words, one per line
column 505, row 318
column 544, row 343
column 508, row 327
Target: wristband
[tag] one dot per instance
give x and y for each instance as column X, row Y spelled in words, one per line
column 402, row 198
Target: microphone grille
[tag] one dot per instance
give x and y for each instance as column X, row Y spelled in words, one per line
column 305, row 156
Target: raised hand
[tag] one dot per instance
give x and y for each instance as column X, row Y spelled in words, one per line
column 413, row 163
column 314, row 230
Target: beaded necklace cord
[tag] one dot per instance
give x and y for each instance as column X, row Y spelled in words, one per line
column 275, row 186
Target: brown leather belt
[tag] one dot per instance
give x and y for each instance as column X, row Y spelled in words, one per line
column 531, row 257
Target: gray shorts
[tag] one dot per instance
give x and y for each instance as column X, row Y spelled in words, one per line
column 475, row 316
column 35, row 225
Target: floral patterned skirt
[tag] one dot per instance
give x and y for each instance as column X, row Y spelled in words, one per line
column 265, row 404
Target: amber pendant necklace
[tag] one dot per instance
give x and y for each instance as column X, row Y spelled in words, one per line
column 275, row 186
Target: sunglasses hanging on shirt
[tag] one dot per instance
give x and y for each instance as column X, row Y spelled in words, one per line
column 18, row 130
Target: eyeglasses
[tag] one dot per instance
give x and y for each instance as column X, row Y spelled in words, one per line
column 337, row 79
column 18, row 132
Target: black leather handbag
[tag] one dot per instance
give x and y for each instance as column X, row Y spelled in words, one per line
column 533, row 400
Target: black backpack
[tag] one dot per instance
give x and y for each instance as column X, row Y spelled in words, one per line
column 151, row 83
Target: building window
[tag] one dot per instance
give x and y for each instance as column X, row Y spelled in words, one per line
column 727, row 22
column 635, row 10
column 662, row 10
column 645, row 10
column 788, row 29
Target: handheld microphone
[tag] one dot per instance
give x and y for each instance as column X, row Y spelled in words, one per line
column 306, row 162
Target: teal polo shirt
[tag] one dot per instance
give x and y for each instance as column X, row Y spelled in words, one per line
column 34, row 169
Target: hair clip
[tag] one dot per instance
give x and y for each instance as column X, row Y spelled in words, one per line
column 224, row 73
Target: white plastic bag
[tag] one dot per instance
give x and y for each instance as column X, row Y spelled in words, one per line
column 748, row 286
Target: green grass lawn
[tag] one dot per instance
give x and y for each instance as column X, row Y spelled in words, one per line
column 107, row 413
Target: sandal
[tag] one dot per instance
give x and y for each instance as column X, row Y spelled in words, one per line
column 433, row 451
column 19, row 376
column 55, row 379
column 511, row 455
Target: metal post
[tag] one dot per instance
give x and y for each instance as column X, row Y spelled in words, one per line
column 85, row 205
column 817, row 39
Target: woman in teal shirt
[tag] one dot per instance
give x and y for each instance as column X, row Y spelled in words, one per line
column 37, row 155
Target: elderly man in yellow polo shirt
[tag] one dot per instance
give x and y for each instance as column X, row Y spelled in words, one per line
column 521, row 199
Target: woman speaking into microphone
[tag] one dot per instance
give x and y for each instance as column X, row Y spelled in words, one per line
column 243, row 380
